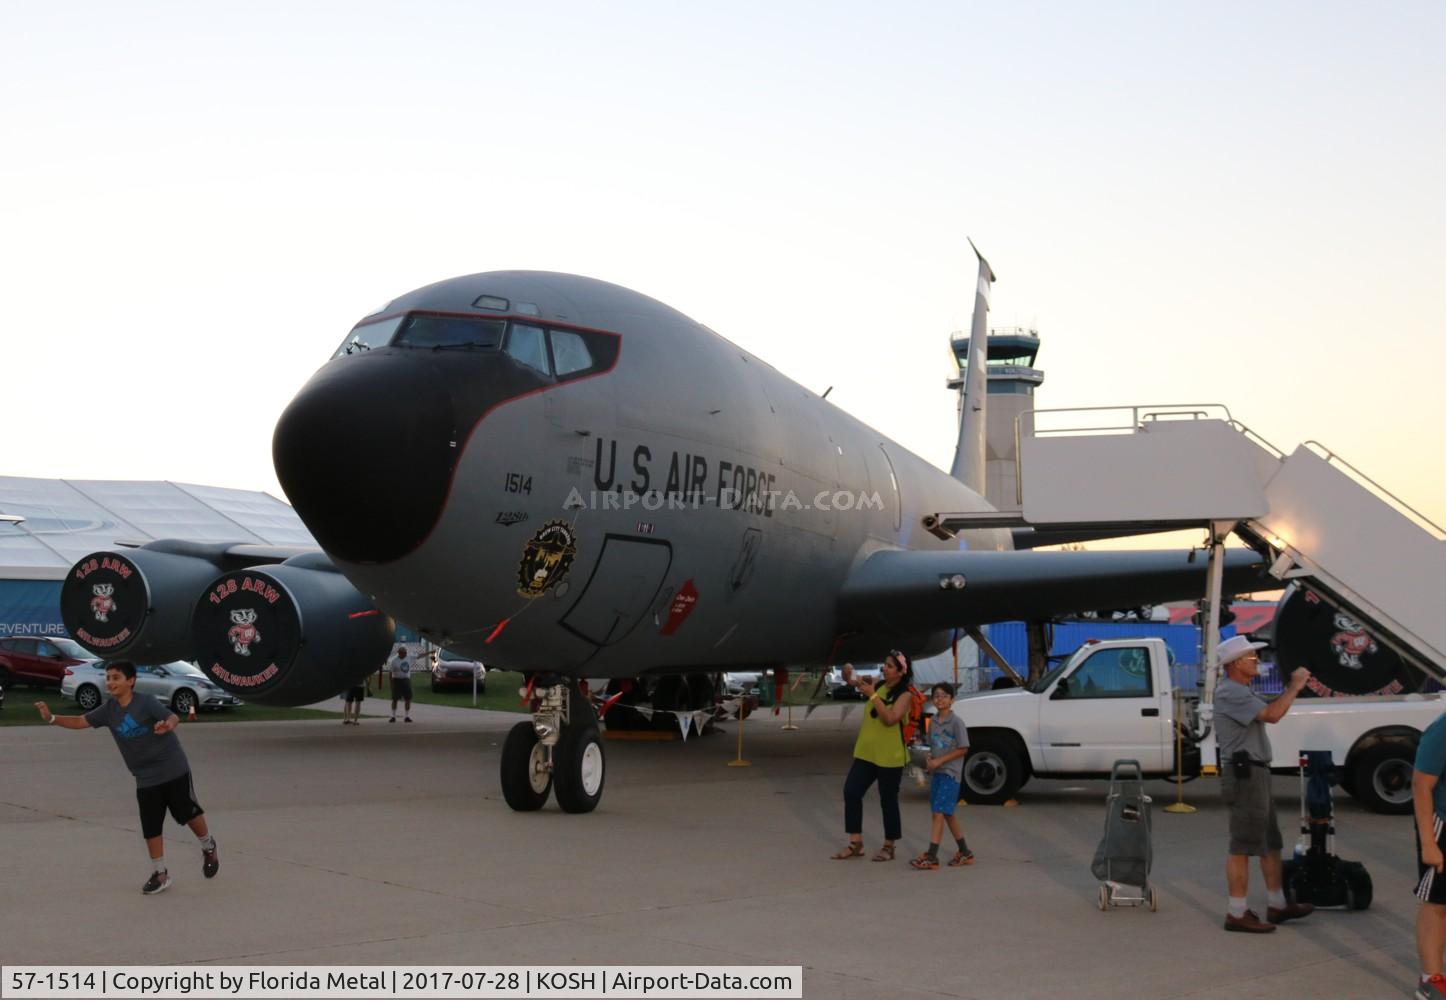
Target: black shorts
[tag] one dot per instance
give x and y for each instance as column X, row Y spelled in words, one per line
column 1430, row 885
column 357, row 693
column 401, row 688
column 177, row 795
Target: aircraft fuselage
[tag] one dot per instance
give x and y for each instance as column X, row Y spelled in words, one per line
column 667, row 501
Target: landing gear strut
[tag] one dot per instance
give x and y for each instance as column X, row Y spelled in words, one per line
column 558, row 751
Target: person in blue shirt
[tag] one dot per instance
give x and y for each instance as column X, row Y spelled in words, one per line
column 1428, row 793
column 145, row 733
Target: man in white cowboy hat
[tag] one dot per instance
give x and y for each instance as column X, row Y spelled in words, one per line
column 1241, row 716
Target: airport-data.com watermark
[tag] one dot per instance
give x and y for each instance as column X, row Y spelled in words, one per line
column 756, row 502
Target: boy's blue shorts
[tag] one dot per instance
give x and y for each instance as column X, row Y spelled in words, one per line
column 943, row 793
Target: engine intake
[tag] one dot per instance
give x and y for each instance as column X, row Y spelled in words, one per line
column 1342, row 656
column 137, row 604
column 289, row 634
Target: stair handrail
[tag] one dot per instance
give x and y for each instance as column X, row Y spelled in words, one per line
column 1253, row 436
column 1025, row 424
column 1331, row 457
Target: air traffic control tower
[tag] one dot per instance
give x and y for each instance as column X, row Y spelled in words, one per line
column 1010, row 383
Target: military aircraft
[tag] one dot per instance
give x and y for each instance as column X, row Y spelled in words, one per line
column 560, row 476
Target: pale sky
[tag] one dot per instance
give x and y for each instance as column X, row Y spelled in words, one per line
column 1232, row 203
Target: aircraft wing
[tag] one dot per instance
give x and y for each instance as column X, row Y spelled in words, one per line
column 910, row 591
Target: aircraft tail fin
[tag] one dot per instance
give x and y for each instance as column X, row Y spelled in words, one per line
column 968, row 465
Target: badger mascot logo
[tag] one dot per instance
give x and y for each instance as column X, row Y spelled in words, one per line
column 546, row 558
column 102, row 604
column 243, row 632
column 1351, row 642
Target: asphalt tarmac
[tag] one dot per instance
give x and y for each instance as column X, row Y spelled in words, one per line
column 390, row 844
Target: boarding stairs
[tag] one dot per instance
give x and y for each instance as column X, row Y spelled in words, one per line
column 1315, row 517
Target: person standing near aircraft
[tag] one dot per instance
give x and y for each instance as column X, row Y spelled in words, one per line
column 879, row 755
column 1240, row 720
column 948, row 745
column 1428, row 793
column 400, row 667
column 355, row 695
column 144, row 732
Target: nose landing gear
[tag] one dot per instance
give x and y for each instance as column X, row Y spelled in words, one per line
column 559, row 750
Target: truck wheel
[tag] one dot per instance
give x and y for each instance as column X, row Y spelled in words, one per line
column 993, row 772
column 1381, row 778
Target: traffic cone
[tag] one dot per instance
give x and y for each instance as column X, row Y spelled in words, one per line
column 191, row 714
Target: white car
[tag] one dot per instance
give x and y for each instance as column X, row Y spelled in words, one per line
column 741, row 682
column 180, row 685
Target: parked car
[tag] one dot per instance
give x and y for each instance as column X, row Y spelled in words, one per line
column 741, row 682
column 38, row 662
column 180, row 684
column 453, row 671
column 839, row 691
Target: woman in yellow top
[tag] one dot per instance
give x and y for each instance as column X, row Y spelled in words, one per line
column 879, row 755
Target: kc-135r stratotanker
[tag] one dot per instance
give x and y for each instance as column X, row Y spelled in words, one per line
column 563, row 477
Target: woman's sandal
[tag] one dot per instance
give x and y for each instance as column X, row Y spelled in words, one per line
column 924, row 863
column 886, row 853
column 960, row 859
column 853, row 850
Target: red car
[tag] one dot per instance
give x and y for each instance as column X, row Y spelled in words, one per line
column 38, row 662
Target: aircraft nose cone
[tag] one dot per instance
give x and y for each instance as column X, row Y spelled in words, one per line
column 365, row 453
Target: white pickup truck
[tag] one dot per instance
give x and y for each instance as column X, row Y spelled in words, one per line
column 1115, row 699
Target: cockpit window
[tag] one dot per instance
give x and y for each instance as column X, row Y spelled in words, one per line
column 365, row 336
column 453, row 332
column 570, row 353
column 527, row 344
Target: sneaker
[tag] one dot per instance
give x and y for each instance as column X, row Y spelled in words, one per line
column 407, row 719
column 1431, row 987
column 1291, row 911
column 158, row 882
column 392, row 719
column 210, row 863
column 1248, row 924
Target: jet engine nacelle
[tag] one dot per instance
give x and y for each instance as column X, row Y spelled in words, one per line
column 288, row 634
column 136, row 604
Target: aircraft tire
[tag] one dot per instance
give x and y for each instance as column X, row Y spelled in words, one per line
column 579, row 769
column 1381, row 778
column 993, row 772
column 524, row 790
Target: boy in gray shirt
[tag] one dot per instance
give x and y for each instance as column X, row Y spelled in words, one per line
column 144, row 732
column 948, row 744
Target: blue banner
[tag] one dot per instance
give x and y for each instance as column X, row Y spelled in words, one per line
column 30, row 607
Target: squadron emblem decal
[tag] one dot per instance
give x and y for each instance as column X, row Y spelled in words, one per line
column 1351, row 642
column 103, row 603
column 242, row 632
column 546, row 559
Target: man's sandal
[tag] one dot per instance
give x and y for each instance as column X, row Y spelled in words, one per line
column 886, row 853
column 960, row 859
column 853, row 850
column 924, row 863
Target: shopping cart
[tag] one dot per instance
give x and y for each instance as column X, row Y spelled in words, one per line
column 1122, row 861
